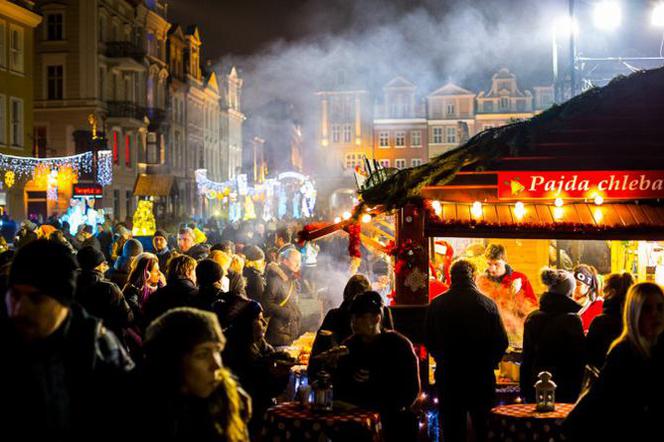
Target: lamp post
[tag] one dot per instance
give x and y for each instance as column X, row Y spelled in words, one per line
column 572, row 51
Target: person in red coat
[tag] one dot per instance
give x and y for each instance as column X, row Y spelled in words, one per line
column 511, row 290
column 586, row 294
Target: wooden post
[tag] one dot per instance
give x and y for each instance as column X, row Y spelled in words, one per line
column 411, row 269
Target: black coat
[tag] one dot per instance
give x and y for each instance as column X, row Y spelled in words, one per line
column 207, row 296
column 177, row 292
column 164, row 257
column 604, row 329
column 92, row 242
column 255, row 287
column 280, row 304
column 103, row 299
column 624, row 403
column 64, row 387
column 466, row 336
column 553, row 341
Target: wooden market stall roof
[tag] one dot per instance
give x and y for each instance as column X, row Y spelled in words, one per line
column 153, row 185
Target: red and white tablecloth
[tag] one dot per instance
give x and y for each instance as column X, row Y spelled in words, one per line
column 520, row 422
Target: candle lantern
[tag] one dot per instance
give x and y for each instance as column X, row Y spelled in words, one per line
column 322, row 389
column 545, row 392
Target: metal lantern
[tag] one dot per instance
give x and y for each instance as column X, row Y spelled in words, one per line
column 322, row 389
column 545, row 392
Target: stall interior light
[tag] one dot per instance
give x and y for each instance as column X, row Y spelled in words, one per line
column 598, row 200
column 437, row 207
column 558, row 213
column 519, row 210
column 346, row 215
column 657, row 17
column 337, row 220
column 607, row 15
column 366, row 218
column 598, row 215
column 558, row 202
column 476, row 209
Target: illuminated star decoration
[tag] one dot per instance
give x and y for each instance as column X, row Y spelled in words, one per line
column 416, row 280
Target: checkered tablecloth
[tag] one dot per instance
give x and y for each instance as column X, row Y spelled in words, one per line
column 520, row 422
column 292, row 422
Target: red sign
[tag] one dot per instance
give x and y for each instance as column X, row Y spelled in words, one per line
column 609, row 184
column 88, row 190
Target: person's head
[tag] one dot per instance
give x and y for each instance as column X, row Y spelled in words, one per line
column 57, row 236
column 87, row 231
column 560, row 282
column 208, row 273
column 643, row 316
column 226, row 246
column 260, row 229
column 282, row 237
column 616, row 286
column 291, row 259
column 221, row 258
column 587, row 284
column 182, row 267
column 366, row 312
column 41, row 286
column 159, row 241
column 183, row 348
column 496, row 258
column 89, row 258
column 186, row 239
column 132, row 248
column 462, row 271
column 237, row 264
column 255, row 257
column 145, row 270
column 356, row 285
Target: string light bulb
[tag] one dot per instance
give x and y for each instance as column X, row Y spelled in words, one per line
column 366, row 218
column 337, row 219
column 558, row 202
column 346, row 215
column 599, row 200
column 519, row 210
column 598, row 215
column 558, row 213
column 437, row 207
column 476, row 209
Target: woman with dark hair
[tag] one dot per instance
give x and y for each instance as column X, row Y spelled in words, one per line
column 606, row 327
column 586, row 294
column 144, row 279
column 186, row 393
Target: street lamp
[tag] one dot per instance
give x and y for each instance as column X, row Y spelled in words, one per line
column 607, row 15
column 657, row 17
column 563, row 27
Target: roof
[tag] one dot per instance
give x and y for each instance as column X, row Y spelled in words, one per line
column 601, row 129
column 399, row 83
column 153, row 185
column 450, row 89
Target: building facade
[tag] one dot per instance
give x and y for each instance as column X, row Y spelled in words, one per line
column 18, row 21
column 232, row 123
column 450, row 118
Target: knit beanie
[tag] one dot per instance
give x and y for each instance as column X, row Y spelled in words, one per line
column 160, row 233
column 561, row 282
column 253, row 253
column 132, row 248
column 47, row 266
column 208, row 272
column 89, row 257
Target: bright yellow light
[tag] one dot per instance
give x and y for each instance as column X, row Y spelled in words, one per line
column 437, row 207
column 558, row 213
column 599, row 200
column 598, row 215
column 346, row 215
column 558, row 202
column 476, row 209
column 366, row 218
column 519, row 210
column 337, row 220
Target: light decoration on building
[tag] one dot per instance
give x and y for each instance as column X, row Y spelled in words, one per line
column 10, row 178
column 366, row 218
column 144, row 222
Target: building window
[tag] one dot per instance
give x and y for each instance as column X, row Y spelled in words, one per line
column 102, row 84
column 41, row 141
column 353, row 159
column 55, row 82
column 416, row 162
column 3, row 119
column 116, row 150
column 400, row 163
column 347, row 133
column 3, row 45
column 504, row 103
column 127, row 150
column 129, row 201
column 336, row 133
column 451, row 109
column 54, row 27
column 384, row 163
column 17, row 121
column 451, row 135
column 521, row 105
column 437, row 135
column 488, row 106
column 415, row 138
column 384, row 139
column 16, row 46
column 400, row 139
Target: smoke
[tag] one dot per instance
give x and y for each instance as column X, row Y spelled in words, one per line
column 429, row 42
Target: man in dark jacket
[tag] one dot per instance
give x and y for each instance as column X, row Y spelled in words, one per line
column 466, row 336
column 281, row 295
column 62, row 369
column 208, row 276
column 253, row 272
column 188, row 246
column 161, row 249
column 99, row 296
column 553, row 339
column 90, row 239
column 180, row 289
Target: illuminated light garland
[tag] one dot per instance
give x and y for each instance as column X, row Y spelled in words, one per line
column 10, row 178
column 144, row 220
column 104, row 167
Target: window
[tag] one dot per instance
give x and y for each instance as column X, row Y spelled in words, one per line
column 353, row 159
column 17, row 119
column 347, row 133
column 488, row 106
column 3, row 45
column 41, row 141
column 400, row 163
column 384, row 139
column 400, row 139
column 54, row 27
column 16, row 48
column 504, row 103
column 415, row 138
column 102, row 84
column 384, row 163
column 521, row 105
column 437, row 135
column 451, row 135
column 116, row 151
column 127, row 150
column 55, row 81
column 450, row 109
column 3, row 119
column 129, row 200
column 415, row 162
column 335, row 133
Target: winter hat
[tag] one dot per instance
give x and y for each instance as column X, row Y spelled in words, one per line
column 208, row 272
column 48, row 266
column 160, row 233
column 253, row 253
column 561, row 282
column 132, row 248
column 122, row 231
column 367, row 302
column 89, row 257
column 30, row 225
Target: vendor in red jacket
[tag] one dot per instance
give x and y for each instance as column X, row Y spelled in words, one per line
column 586, row 294
column 511, row 290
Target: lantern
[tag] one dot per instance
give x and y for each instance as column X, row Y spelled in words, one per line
column 322, row 392
column 545, row 393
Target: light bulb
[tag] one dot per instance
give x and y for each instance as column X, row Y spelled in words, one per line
column 366, row 218
column 346, row 215
column 476, row 209
column 558, row 202
column 519, row 210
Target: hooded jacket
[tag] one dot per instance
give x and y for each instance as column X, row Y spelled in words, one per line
column 280, row 303
column 553, row 341
column 103, row 299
